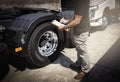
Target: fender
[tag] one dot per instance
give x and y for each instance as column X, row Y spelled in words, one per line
column 28, row 22
column 22, row 27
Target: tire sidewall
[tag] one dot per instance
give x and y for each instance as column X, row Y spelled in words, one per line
column 34, row 54
column 106, row 15
column 104, row 21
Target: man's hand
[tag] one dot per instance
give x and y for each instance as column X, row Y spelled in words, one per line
column 69, row 24
column 61, row 28
column 64, row 21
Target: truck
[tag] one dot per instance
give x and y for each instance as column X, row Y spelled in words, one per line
column 100, row 12
column 29, row 32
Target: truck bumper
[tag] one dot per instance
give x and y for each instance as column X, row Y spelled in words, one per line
column 97, row 22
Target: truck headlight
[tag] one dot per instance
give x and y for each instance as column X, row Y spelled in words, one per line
column 93, row 10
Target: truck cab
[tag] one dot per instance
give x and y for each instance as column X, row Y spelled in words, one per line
column 29, row 32
column 100, row 12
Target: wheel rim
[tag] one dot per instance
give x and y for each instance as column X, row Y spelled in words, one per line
column 48, row 43
column 105, row 21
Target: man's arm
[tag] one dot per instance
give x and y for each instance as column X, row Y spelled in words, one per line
column 72, row 24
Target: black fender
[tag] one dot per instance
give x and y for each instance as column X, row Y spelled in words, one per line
column 20, row 30
column 27, row 22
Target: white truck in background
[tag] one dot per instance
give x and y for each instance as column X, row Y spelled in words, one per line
column 100, row 12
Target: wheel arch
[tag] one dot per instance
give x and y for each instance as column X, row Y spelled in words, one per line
column 26, row 24
column 36, row 23
column 29, row 22
column 106, row 15
column 106, row 10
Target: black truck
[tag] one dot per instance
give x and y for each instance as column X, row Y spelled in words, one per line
column 29, row 33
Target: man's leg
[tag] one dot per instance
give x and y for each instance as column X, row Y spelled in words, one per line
column 82, row 53
column 83, row 57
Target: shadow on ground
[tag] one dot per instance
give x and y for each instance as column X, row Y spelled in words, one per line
column 4, row 69
column 107, row 69
column 65, row 61
column 20, row 63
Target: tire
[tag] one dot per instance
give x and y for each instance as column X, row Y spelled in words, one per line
column 45, row 44
column 4, row 69
column 105, row 20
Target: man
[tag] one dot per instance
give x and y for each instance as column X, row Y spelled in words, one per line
column 80, row 33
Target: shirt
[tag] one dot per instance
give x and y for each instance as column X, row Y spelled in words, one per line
column 81, row 7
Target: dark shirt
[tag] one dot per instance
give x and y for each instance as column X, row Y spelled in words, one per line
column 81, row 7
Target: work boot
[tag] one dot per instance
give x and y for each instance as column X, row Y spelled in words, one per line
column 80, row 76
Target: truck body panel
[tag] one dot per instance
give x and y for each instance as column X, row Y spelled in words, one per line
column 48, row 4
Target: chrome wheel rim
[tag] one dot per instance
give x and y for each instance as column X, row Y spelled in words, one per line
column 48, row 43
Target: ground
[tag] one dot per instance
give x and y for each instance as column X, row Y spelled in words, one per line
column 104, row 51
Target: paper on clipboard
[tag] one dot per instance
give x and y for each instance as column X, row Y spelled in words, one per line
column 56, row 23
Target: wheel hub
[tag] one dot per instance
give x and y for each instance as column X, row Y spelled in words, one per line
column 48, row 43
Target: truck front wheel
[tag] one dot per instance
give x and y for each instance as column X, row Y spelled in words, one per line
column 45, row 44
column 105, row 20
